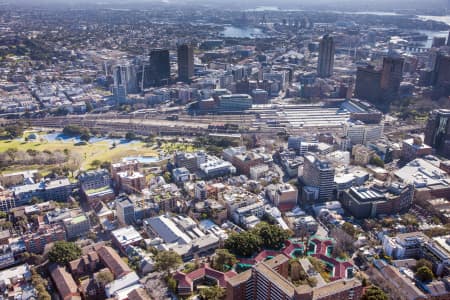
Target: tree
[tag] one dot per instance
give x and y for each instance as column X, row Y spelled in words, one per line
column 272, row 236
column 424, row 274
column 75, row 130
column 212, row 293
column 63, row 252
column 243, row 244
column 14, row 131
column 104, row 277
column 91, row 235
column 96, row 163
column 85, row 137
column 344, row 242
column 167, row 177
column 171, row 284
column 39, row 284
column 167, row 260
column 105, row 165
column 189, row 267
column 222, row 259
column 377, row 161
column 349, row 228
column 364, row 281
column 424, row 263
column 374, row 293
column 296, row 271
column 130, row 136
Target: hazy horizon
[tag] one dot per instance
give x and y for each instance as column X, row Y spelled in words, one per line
column 323, row 4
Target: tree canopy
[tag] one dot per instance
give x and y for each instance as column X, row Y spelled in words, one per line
column 243, row 244
column 63, row 252
column 167, row 260
column 424, row 262
column 130, row 136
column 222, row 259
column 104, row 277
column 374, row 293
column 212, row 293
column 272, row 236
column 263, row 236
column 75, row 130
column 424, row 274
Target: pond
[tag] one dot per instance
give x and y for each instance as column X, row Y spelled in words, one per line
column 51, row 137
column 142, row 159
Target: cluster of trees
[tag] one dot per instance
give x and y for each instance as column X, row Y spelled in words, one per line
column 31, row 156
column 320, row 267
column 166, row 261
column 40, row 284
column 263, row 236
column 438, row 231
column 377, row 161
column 75, row 130
column 223, row 260
column 212, row 293
column 344, row 241
column 424, row 269
column 104, row 277
column 374, row 293
column 101, row 164
column 214, row 145
column 12, row 131
column 63, row 252
column 298, row 275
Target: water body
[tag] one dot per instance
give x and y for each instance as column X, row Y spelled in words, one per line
column 431, row 34
column 142, row 159
column 51, row 137
column 242, row 32
column 443, row 19
column 264, row 8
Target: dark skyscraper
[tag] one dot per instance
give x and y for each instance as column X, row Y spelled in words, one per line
column 437, row 131
column 441, row 72
column 159, row 67
column 185, row 62
column 326, row 57
column 380, row 86
column 391, row 77
column 367, row 85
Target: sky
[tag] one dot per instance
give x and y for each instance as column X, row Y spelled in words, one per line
column 330, row 4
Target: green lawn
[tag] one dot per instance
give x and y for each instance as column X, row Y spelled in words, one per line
column 97, row 151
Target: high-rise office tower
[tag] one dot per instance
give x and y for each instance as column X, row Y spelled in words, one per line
column 380, row 86
column 120, row 84
column 367, row 85
column 437, row 131
column 159, row 67
column 131, row 78
column 319, row 173
column 391, row 76
column 326, row 57
column 185, row 62
column 441, row 71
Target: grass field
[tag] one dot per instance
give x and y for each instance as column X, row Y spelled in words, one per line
column 97, row 151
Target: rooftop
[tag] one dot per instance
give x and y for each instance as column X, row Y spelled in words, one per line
column 126, row 235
